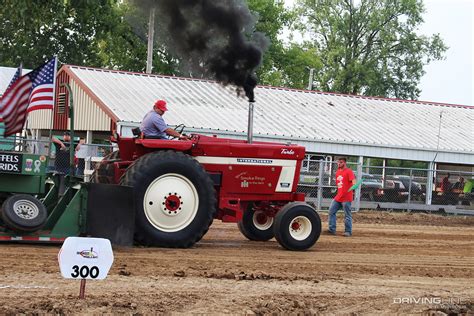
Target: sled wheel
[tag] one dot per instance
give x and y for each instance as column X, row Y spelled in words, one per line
column 297, row 226
column 104, row 173
column 174, row 199
column 256, row 225
column 24, row 213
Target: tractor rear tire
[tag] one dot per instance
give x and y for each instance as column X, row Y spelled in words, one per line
column 297, row 226
column 24, row 213
column 174, row 199
column 104, row 173
column 256, row 225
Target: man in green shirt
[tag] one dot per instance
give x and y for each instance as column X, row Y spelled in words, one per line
column 468, row 186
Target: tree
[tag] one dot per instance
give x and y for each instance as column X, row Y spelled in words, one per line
column 137, row 17
column 272, row 17
column 91, row 33
column 113, row 34
column 370, row 48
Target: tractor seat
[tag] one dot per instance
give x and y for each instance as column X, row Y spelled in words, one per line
column 136, row 132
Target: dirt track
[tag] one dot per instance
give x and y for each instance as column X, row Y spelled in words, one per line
column 390, row 257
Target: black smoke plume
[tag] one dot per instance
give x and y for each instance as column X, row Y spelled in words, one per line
column 212, row 38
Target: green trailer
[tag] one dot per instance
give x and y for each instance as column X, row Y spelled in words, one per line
column 22, row 172
column 42, row 206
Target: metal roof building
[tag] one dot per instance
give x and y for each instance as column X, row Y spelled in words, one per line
column 322, row 122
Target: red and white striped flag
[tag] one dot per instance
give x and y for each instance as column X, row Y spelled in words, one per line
column 33, row 91
column 16, row 76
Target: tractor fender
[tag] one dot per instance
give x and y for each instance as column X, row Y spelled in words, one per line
column 182, row 145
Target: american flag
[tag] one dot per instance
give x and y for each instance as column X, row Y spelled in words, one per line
column 14, row 79
column 33, row 91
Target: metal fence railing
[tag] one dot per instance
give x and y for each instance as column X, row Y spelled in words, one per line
column 389, row 187
column 24, row 145
column 85, row 156
column 382, row 187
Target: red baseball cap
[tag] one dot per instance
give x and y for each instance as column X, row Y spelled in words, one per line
column 161, row 105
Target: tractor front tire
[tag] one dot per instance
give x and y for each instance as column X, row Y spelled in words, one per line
column 297, row 226
column 24, row 213
column 256, row 225
column 174, row 199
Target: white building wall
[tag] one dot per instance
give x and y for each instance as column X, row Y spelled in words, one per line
column 40, row 119
column 88, row 115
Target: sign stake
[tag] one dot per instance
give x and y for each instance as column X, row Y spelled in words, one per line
column 82, row 289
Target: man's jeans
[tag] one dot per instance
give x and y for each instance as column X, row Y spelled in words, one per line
column 336, row 206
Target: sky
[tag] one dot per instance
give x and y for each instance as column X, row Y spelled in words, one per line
column 449, row 80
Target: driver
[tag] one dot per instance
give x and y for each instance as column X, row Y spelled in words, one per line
column 154, row 126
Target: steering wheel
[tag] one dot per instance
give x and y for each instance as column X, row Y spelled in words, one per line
column 179, row 128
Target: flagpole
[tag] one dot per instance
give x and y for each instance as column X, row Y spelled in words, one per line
column 25, row 128
column 20, row 73
column 54, row 104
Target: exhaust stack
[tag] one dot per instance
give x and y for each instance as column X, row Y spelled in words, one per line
column 250, row 126
column 249, row 86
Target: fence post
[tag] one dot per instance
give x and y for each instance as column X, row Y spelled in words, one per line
column 320, row 184
column 429, row 183
column 409, row 189
column 358, row 177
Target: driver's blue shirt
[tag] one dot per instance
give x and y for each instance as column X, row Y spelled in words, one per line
column 154, row 125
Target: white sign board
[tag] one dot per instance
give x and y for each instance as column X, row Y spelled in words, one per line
column 85, row 258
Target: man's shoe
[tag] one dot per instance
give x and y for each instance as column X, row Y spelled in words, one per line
column 346, row 234
column 330, row 232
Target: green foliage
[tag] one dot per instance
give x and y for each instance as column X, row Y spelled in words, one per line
column 33, row 31
column 80, row 32
column 407, row 164
column 370, row 48
column 296, row 62
column 137, row 23
column 283, row 64
column 378, row 162
column 272, row 17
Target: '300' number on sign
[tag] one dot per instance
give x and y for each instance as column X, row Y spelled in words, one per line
column 85, row 272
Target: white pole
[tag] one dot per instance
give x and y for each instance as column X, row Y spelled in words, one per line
column 151, row 35
column 310, row 81
column 250, row 123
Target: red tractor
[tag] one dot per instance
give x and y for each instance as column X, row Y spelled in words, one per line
column 179, row 187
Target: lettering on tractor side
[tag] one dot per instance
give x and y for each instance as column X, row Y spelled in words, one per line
column 285, row 151
column 256, row 161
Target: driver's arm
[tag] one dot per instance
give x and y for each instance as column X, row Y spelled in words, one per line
column 174, row 133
